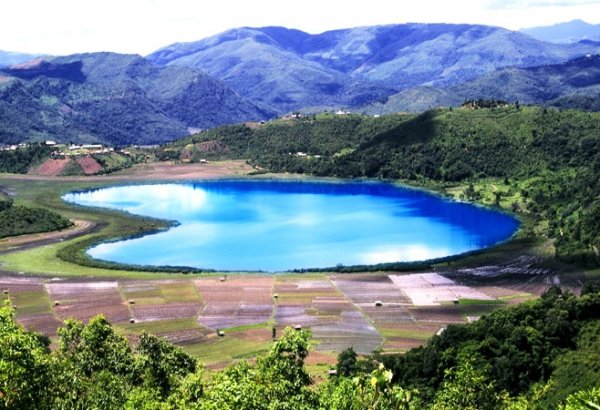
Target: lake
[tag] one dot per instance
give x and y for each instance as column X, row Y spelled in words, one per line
column 249, row 225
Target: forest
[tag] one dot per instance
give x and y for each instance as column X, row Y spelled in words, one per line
column 20, row 220
column 548, row 157
column 541, row 354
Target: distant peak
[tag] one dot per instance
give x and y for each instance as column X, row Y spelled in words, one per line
column 36, row 62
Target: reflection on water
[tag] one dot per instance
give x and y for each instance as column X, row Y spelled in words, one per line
column 282, row 225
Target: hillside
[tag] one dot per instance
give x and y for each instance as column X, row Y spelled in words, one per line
column 114, row 99
column 572, row 84
column 569, row 32
column 9, row 58
column 290, row 69
column 551, row 157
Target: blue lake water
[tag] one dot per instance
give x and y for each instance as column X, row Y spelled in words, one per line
column 241, row 225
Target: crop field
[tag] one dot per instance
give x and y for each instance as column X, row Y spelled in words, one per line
column 85, row 300
column 235, row 301
column 225, row 318
column 316, row 303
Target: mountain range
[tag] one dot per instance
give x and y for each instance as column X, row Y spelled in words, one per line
column 114, row 99
column 290, row 69
column 572, row 84
column 570, row 32
column 256, row 73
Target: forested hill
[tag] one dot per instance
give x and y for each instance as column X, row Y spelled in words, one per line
column 114, row 99
column 549, row 159
column 575, row 83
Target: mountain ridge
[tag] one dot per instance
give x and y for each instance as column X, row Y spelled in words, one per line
column 115, row 99
column 290, row 69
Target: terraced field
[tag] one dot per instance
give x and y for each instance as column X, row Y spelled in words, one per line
column 221, row 319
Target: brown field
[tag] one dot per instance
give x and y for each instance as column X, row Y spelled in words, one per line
column 50, row 167
column 89, row 165
column 160, row 171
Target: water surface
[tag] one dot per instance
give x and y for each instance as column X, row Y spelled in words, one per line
column 282, row 225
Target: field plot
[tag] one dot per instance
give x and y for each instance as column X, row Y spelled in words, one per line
column 83, row 300
column 161, row 300
column 216, row 352
column 32, row 304
column 236, row 301
column 317, row 304
column 431, row 289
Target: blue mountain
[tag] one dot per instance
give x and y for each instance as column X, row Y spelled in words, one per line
column 289, row 69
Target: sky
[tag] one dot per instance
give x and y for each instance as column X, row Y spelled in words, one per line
column 60, row 27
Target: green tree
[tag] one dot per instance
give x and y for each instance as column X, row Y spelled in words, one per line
column 25, row 366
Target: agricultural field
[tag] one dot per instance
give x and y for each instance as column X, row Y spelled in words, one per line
column 225, row 318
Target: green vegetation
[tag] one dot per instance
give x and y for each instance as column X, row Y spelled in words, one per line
column 539, row 355
column 552, row 342
column 538, row 162
column 19, row 220
column 24, row 158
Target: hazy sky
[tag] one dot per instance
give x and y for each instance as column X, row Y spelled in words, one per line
column 142, row 26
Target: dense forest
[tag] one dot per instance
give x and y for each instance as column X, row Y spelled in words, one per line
column 549, row 158
column 19, row 220
column 542, row 354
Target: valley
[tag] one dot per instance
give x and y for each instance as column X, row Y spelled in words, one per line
column 398, row 131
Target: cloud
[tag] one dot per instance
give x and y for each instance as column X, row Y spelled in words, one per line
column 525, row 4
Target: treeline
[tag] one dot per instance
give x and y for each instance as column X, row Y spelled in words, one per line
column 555, row 153
column 20, row 220
column 540, row 355
column 24, row 158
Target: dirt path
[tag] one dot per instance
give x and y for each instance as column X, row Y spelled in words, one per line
column 23, row 242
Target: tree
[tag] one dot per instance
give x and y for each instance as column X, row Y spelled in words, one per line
column 161, row 365
column 25, row 366
column 347, row 362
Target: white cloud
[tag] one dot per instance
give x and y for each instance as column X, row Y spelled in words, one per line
column 142, row 26
column 524, row 4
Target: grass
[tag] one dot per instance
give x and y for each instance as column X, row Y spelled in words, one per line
column 226, row 349
column 43, row 261
column 160, row 326
column 180, row 292
column 31, row 302
column 416, row 334
column 515, row 296
column 480, row 302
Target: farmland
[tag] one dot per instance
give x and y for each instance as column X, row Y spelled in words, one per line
column 341, row 310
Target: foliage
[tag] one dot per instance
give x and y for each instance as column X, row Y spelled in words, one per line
column 22, row 159
column 513, row 349
column 114, row 99
column 19, row 220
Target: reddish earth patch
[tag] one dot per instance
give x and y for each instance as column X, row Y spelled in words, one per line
column 89, row 165
column 438, row 314
column 13, row 284
column 50, row 167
